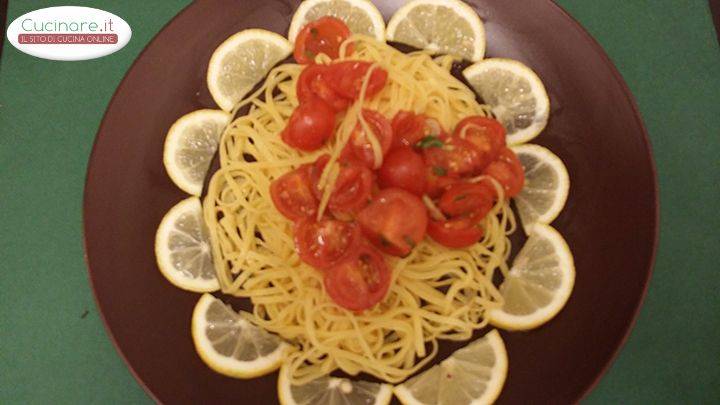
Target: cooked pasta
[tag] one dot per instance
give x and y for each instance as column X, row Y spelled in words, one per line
column 436, row 292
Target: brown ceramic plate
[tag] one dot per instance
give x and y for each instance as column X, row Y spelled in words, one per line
column 610, row 221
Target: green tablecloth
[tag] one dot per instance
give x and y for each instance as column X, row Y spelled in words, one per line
column 53, row 347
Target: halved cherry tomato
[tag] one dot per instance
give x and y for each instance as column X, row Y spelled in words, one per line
column 312, row 83
column 293, row 195
column 395, row 221
column 359, row 281
column 353, row 187
column 403, row 168
column 456, row 232
column 468, row 198
column 436, row 182
column 359, row 147
column 409, row 128
column 487, row 134
column 347, row 78
column 310, row 125
column 508, row 171
column 456, row 157
column 323, row 243
column 323, row 35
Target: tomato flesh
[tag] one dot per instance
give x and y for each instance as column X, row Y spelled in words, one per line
column 359, row 281
column 310, row 125
column 508, row 171
column 456, row 157
column 409, row 128
column 395, row 221
column 403, row 168
column 486, row 134
column 292, row 194
column 359, row 147
column 324, row 35
column 353, row 186
column 468, row 198
column 322, row 244
column 457, row 232
column 313, row 83
column 347, row 79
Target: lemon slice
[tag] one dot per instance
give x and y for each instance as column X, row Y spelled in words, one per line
column 182, row 248
column 515, row 93
column 190, row 146
column 474, row 374
column 231, row 345
column 332, row 391
column 439, row 26
column 546, row 185
column 241, row 62
column 361, row 16
column 539, row 284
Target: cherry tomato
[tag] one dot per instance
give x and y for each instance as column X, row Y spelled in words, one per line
column 359, row 281
column 403, row 168
column 347, row 79
column 293, row 195
column 456, row 157
column 312, row 84
column 323, row 243
column 352, row 190
column 360, row 149
column 487, row 134
column 468, row 198
column 310, row 125
column 508, row 171
column 323, row 35
column 409, row 128
column 395, row 221
column 436, row 182
column 456, row 232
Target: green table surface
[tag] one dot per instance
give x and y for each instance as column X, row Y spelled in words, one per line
column 53, row 347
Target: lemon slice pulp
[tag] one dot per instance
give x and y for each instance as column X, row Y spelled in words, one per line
column 190, row 146
column 515, row 93
column 547, row 184
column 182, row 248
column 440, row 26
column 539, row 283
column 332, row 391
column 231, row 345
column 474, row 374
column 361, row 16
column 241, row 62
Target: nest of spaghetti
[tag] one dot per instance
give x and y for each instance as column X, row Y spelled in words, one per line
column 436, row 293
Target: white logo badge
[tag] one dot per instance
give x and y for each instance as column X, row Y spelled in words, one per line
column 69, row 33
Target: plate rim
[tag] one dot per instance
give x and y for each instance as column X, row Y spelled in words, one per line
column 596, row 46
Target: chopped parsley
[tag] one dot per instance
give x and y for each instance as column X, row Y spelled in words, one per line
column 439, row 171
column 430, row 141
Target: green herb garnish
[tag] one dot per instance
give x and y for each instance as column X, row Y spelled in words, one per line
column 439, row 171
column 430, row 141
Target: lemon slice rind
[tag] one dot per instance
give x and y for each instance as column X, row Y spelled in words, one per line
column 560, row 295
column 368, row 8
column 174, row 142
column 529, row 214
column 280, row 47
column 461, row 9
column 162, row 253
column 225, row 365
column 542, row 109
